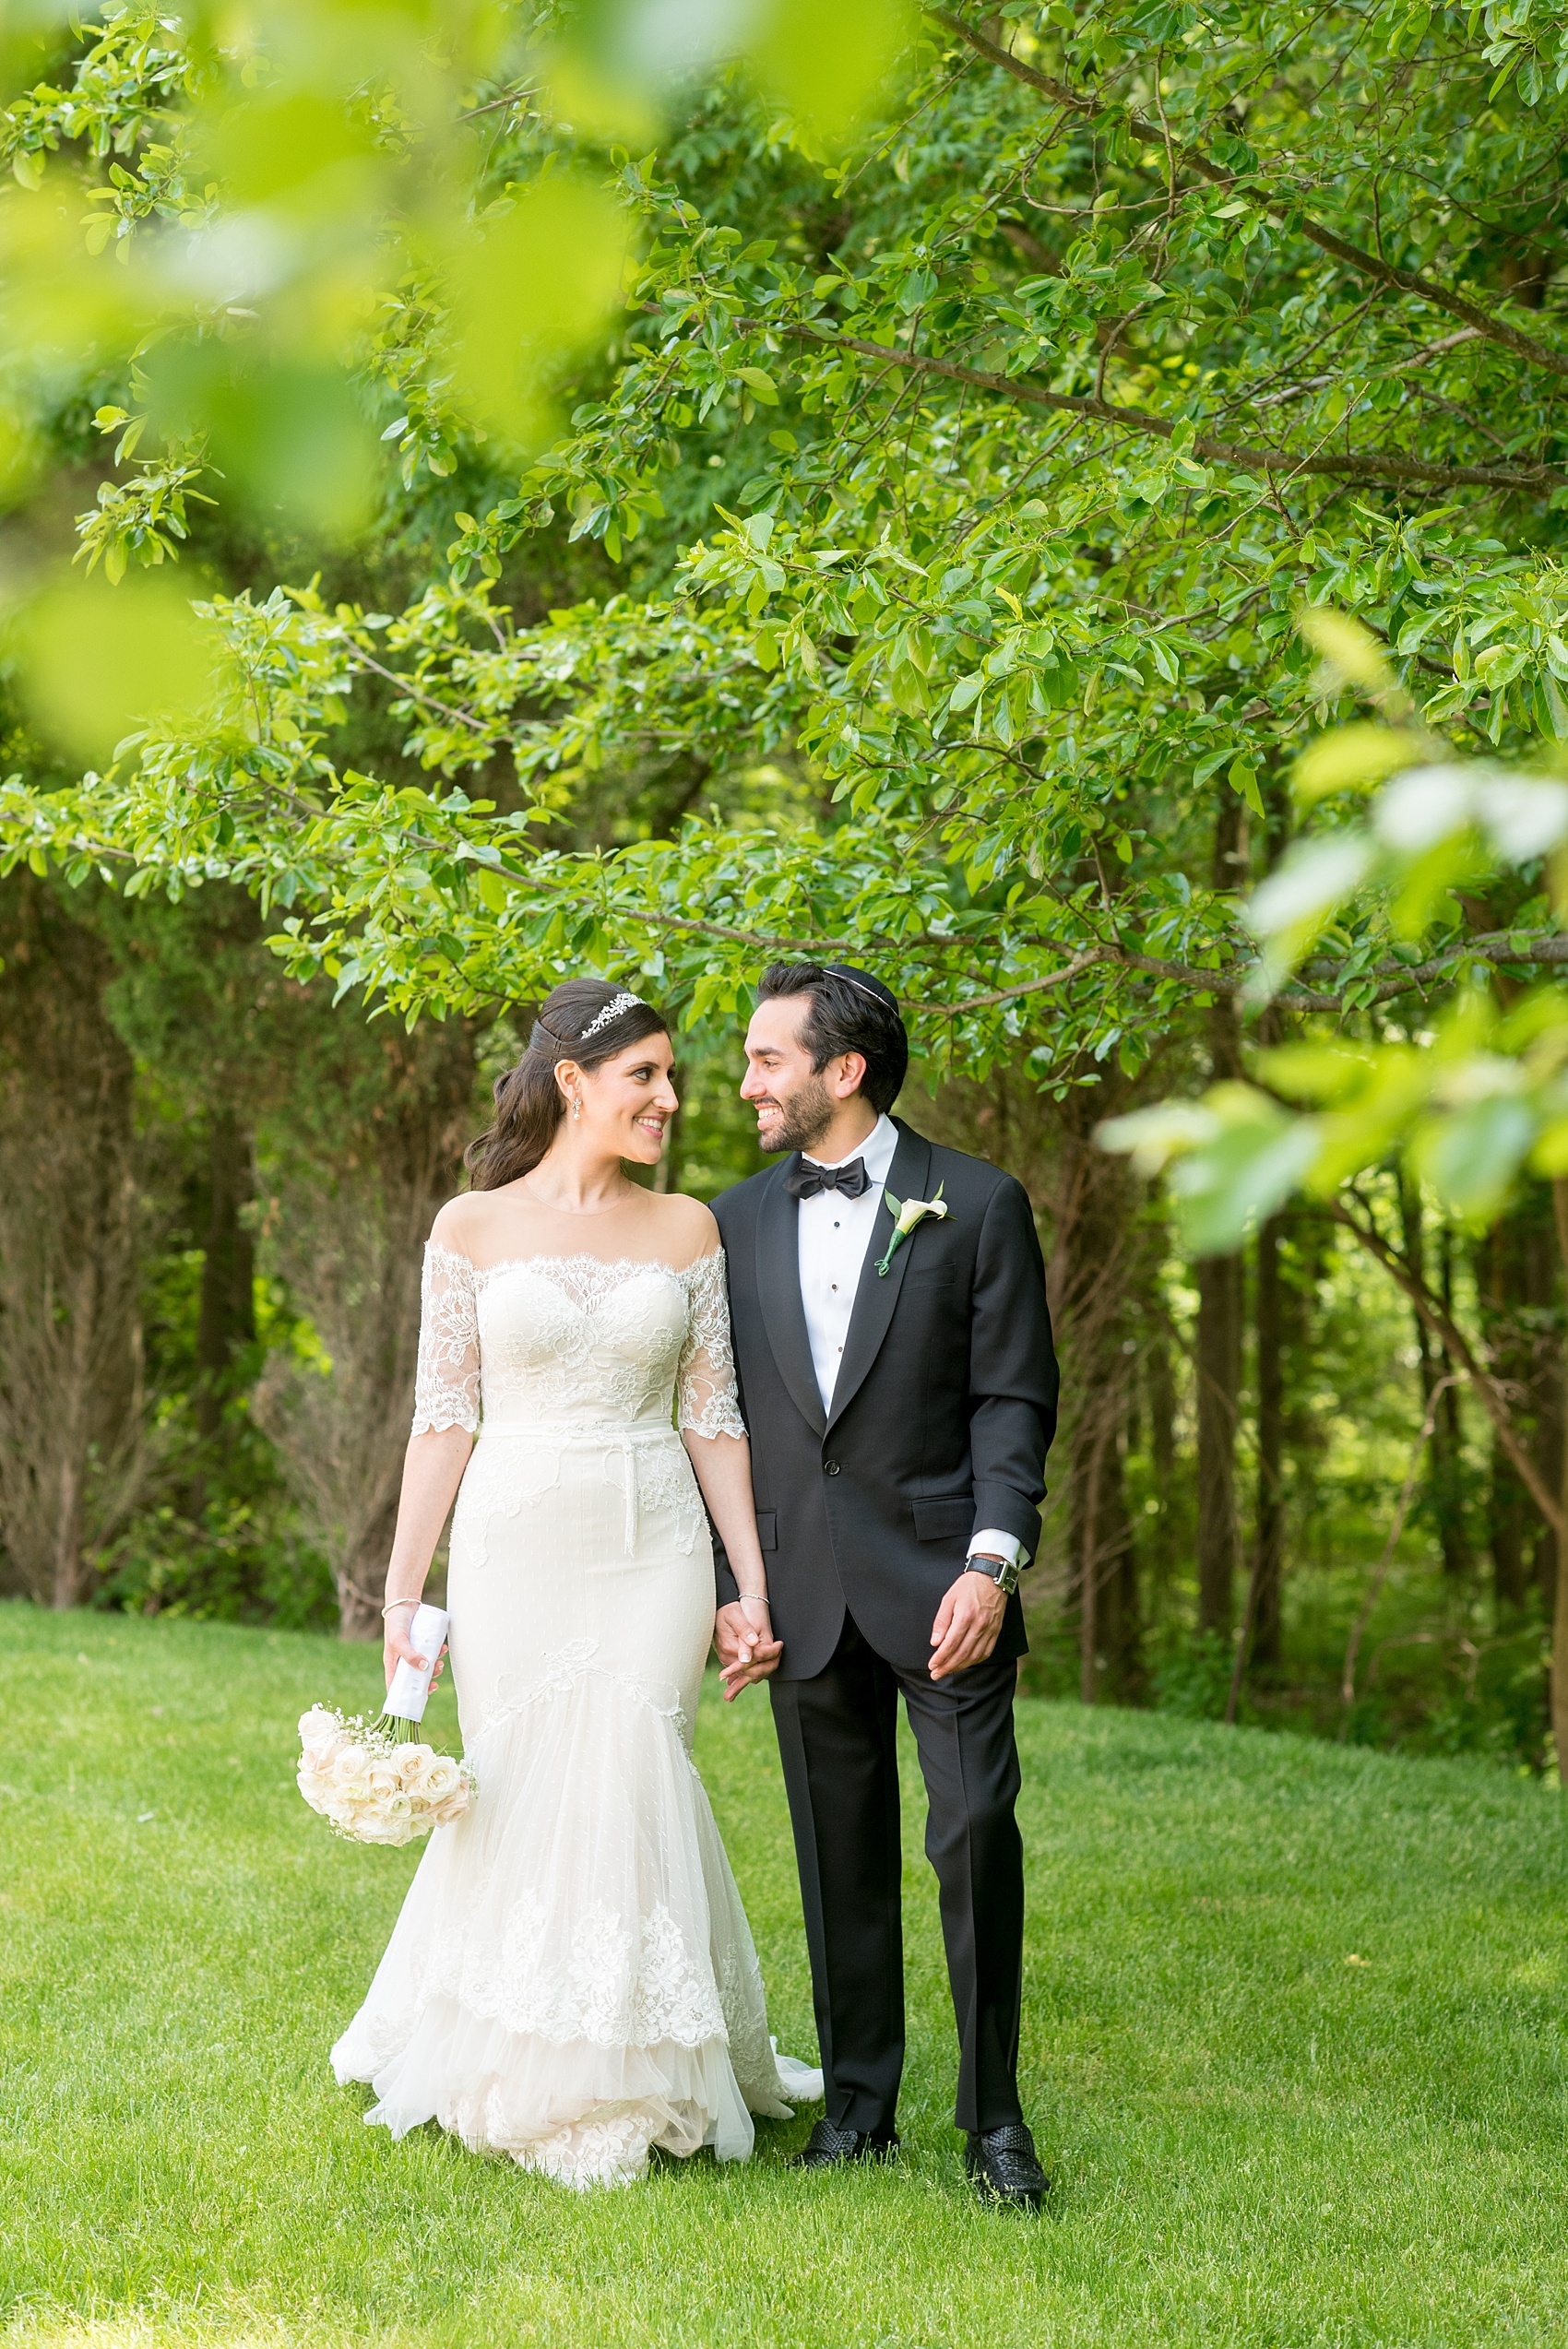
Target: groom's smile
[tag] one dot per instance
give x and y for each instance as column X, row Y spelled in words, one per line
column 798, row 1105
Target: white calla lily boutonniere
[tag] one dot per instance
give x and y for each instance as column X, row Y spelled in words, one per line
column 907, row 1213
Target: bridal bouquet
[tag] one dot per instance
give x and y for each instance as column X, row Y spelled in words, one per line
column 373, row 1785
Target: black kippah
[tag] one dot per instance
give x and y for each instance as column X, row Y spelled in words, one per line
column 864, row 980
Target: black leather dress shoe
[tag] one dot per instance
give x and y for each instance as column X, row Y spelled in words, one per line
column 1002, row 2165
column 827, row 2147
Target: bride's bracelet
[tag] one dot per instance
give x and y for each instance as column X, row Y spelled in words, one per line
column 758, row 1598
column 393, row 1603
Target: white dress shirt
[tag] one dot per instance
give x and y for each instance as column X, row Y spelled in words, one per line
column 833, row 1236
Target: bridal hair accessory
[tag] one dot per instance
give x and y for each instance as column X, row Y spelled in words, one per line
column 373, row 1781
column 617, row 1008
column 907, row 1213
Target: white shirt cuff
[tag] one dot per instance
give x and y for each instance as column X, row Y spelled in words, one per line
column 1007, row 1546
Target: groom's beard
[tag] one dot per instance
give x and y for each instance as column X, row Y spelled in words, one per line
column 803, row 1118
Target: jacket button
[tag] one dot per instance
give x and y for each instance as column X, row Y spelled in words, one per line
column 830, row 1467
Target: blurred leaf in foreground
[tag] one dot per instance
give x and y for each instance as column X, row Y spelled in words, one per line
column 96, row 661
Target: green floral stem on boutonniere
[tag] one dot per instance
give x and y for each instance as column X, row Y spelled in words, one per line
column 905, row 1215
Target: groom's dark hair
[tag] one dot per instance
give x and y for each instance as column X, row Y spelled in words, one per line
column 847, row 1011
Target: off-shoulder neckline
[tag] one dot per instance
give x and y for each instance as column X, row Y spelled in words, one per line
column 433, row 1248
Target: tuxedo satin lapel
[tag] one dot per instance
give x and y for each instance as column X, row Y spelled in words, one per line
column 778, row 1286
column 877, row 1294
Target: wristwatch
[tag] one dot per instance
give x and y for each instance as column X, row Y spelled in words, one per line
column 1003, row 1571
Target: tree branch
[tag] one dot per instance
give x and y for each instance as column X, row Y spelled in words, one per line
column 1354, row 468
column 1453, row 1343
column 1369, row 264
column 1029, row 987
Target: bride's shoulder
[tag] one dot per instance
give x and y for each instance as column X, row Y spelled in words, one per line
column 457, row 1225
column 686, row 1226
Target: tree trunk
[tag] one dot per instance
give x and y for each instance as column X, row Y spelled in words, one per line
column 1450, row 1433
column 65, row 1585
column 1161, row 1385
column 1220, row 1292
column 1220, row 1383
column 73, row 1462
column 227, row 1320
column 1546, row 1321
column 1095, row 1249
column 351, row 1214
column 1110, row 1619
column 1503, row 1307
column 1265, row 1628
column 1445, row 1486
column 1560, row 1611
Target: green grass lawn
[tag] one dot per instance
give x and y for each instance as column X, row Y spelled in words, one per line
column 1254, row 2139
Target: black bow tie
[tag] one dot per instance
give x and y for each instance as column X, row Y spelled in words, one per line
column 808, row 1179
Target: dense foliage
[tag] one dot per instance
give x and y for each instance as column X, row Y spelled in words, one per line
column 933, row 489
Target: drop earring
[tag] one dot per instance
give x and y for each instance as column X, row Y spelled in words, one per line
column 577, row 1106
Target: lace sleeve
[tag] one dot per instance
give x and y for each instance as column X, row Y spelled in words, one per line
column 447, row 1382
column 707, row 1403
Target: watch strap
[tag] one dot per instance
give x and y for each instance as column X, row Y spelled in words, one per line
column 1003, row 1571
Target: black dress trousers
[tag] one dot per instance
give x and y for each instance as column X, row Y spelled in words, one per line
column 837, row 1741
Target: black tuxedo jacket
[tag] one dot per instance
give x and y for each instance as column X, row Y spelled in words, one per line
column 943, row 1413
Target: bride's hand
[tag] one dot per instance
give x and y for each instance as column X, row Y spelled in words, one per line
column 396, row 1648
column 742, row 1633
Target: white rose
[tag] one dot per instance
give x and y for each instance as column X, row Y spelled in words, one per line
column 318, row 1727
column 439, row 1779
column 383, row 1781
column 348, row 1763
column 405, row 1761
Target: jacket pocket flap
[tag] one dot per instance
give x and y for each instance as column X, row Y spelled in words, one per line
column 947, row 1518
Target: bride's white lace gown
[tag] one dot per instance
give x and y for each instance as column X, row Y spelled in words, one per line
column 572, row 1979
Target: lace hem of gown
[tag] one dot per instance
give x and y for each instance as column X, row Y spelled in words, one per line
column 572, row 1980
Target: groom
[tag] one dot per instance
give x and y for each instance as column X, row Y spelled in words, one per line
column 900, row 1400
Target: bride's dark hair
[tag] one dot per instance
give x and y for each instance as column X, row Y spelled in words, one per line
column 529, row 1105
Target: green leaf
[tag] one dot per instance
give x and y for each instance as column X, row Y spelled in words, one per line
column 1243, row 777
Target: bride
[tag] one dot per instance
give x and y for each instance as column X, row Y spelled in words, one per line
column 572, row 1980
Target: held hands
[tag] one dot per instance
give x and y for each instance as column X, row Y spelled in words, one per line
column 967, row 1624
column 742, row 1633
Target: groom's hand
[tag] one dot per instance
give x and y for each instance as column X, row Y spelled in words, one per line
column 744, row 1655
column 967, row 1624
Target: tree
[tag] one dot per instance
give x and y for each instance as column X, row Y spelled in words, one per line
column 352, row 1195
column 73, row 1456
column 1138, row 398
column 1025, row 503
